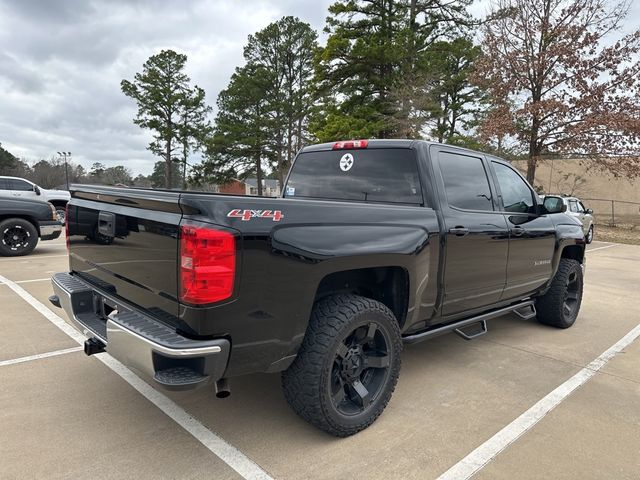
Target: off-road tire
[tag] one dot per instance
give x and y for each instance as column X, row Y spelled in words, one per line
column 567, row 285
column 22, row 228
column 308, row 381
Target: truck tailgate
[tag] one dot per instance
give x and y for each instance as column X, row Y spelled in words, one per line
column 126, row 243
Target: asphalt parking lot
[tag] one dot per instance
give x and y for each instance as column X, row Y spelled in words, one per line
column 64, row 415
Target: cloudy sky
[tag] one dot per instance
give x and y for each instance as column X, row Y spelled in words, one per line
column 61, row 63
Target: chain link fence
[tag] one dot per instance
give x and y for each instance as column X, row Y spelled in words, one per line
column 614, row 213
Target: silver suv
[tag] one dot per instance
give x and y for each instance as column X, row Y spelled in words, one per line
column 576, row 208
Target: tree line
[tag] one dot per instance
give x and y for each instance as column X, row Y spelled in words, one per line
column 50, row 173
column 532, row 80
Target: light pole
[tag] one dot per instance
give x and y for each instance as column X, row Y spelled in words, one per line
column 66, row 169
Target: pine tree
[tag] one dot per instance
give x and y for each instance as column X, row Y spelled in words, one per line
column 373, row 63
column 168, row 106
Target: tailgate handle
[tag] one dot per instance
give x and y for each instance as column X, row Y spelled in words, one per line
column 107, row 224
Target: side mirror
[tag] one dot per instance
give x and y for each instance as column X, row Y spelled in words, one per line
column 36, row 189
column 554, row 205
column 589, row 211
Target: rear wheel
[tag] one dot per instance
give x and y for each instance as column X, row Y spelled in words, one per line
column 17, row 237
column 589, row 237
column 559, row 307
column 347, row 367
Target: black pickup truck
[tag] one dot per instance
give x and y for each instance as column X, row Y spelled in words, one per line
column 373, row 244
column 23, row 222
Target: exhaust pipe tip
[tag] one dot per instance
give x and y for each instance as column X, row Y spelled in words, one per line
column 222, row 388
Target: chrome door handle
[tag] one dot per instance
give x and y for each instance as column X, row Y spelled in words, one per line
column 459, row 231
column 517, row 231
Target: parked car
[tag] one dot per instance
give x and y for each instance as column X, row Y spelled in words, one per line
column 375, row 244
column 23, row 188
column 576, row 209
column 22, row 222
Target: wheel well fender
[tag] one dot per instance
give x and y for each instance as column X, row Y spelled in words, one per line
column 574, row 252
column 58, row 203
column 388, row 285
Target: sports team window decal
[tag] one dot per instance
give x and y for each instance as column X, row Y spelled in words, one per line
column 246, row 215
column 346, row 162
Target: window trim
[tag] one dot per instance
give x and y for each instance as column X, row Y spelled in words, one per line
column 438, row 151
column 534, row 196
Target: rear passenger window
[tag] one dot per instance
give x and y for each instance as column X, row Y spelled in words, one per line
column 3, row 184
column 465, row 181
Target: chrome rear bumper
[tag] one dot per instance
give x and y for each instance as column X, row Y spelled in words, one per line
column 138, row 340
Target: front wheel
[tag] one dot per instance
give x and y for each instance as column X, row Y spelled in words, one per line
column 17, row 237
column 347, row 367
column 62, row 214
column 559, row 307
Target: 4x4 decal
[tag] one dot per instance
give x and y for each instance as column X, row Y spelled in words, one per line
column 246, row 215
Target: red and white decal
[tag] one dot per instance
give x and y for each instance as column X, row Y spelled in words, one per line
column 246, row 215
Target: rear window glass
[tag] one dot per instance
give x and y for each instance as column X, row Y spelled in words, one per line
column 373, row 175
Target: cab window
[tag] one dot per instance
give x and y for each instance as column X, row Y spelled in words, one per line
column 517, row 197
column 15, row 184
column 465, row 181
column 573, row 206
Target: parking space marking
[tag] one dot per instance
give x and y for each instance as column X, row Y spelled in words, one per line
column 229, row 454
column 602, row 248
column 482, row 455
column 34, row 280
column 34, row 257
column 55, row 353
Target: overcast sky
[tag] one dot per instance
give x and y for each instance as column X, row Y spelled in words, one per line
column 61, row 63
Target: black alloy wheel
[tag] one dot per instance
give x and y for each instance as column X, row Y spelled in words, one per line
column 360, row 369
column 572, row 295
column 17, row 237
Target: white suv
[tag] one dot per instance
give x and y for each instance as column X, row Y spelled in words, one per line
column 576, row 209
column 22, row 188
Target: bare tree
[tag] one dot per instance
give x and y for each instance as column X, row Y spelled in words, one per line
column 561, row 84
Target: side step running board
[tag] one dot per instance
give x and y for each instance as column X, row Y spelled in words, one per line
column 471, row 336
column 524, row 310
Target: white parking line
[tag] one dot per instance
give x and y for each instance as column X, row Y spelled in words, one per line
column 481, row 456
column 39, row 356
column 601, row 248
column 230, row 455
column 34, row 280
column 33, row 257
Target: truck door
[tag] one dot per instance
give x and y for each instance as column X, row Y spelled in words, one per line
column 476, row 236
column 531, row 235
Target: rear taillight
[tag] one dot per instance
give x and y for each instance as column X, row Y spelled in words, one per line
column 207, row 264
column 350, row 144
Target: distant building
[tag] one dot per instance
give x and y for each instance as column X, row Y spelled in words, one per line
column 249, row 186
